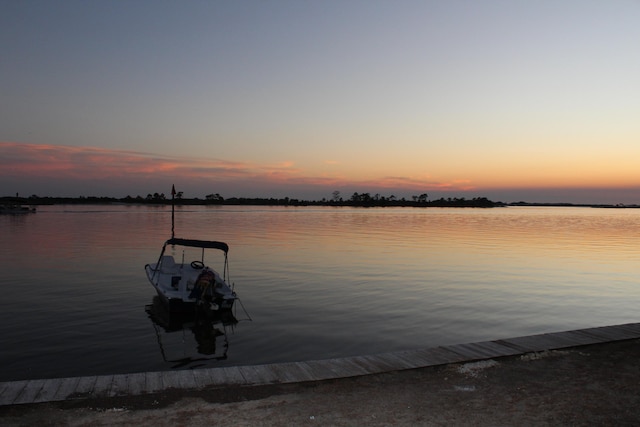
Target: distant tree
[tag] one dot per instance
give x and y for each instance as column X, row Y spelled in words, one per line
column 179, row 195
column 336, row 196
column 364, row 198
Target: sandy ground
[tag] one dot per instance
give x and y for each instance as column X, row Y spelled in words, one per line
column 591, row 385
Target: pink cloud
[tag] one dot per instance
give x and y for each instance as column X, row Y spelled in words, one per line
column 98, row 163
column 418, row 184
column 50, row 164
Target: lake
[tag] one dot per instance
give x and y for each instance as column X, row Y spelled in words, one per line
column 314, row 282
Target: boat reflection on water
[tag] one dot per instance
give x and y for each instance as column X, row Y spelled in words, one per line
column 191, row 340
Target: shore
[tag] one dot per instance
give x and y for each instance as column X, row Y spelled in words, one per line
column 587, row 385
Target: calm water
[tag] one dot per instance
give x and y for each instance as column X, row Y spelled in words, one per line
column 316, row 282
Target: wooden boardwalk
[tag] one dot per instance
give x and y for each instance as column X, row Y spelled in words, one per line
column 49, row 390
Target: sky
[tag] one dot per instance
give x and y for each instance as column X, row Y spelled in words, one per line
column 512, row 100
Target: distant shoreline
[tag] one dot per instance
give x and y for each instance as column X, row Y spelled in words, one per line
column 478, row 202
column 575, row 205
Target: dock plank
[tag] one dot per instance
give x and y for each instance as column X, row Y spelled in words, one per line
column 394, row 362
column 217, row 376
column 11, row 391
column 119, row 386
column 29, row 392
column 541, row 342
column 498, row 349
column 381, row 363
column 446, row 355
column 136, row 383
column 372, row 364
column 616, row 333
column 85, row 386
column 517, row 348
column 567, row 338
column 171, row 379
column 472, row 351
column 48, row 390
column 203, row 377
column 188, row 379
column 632, row 327
column 5, row 391
column 417, row 358
column 102, row 387
column 153, row 382
column 232, row 376
column 321, row 370
column 3, row 387
column 585, row 338
column 292, row 372
column 339, row 367
column 67, row 387
column 363, row 365
column 261, row 374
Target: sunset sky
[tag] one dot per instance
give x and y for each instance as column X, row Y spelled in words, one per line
column 511, row 100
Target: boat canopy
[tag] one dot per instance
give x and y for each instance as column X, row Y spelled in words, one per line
column 208, row 244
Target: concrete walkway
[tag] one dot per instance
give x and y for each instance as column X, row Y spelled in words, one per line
column 59, row 389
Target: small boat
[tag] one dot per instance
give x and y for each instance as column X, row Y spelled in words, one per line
column 185, row 286
column 14, row 209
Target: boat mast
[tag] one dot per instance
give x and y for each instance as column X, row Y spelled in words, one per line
column 173, row 193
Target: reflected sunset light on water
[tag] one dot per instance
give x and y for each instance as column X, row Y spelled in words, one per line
column 318, row 282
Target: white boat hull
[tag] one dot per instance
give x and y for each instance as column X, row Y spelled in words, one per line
column 183, row 286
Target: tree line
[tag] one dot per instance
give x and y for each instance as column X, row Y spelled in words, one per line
column 336, row 199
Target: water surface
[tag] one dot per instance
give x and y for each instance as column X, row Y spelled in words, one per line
column 317, row 282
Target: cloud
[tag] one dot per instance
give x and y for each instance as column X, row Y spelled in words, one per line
column 98, row 169
column 98, row 163
column 417, row 183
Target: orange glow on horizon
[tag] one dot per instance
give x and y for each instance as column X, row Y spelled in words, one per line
column 90, row 163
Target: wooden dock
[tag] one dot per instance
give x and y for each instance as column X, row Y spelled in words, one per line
column 58, row 389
